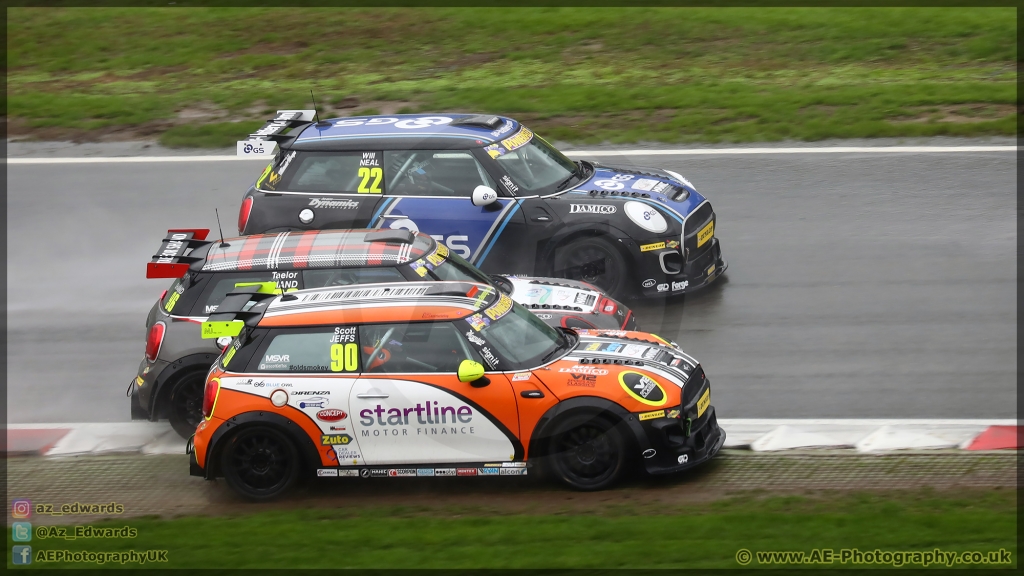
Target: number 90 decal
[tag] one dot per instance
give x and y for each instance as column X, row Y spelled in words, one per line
column 344, row 357
column 365, row 187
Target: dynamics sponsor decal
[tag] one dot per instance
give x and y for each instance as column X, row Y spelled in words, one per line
column 592, row 209
column 343, row 204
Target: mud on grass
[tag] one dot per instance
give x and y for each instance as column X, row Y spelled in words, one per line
column 670, row 75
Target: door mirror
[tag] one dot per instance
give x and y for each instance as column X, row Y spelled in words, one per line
column 484, row 195
column 470, row 371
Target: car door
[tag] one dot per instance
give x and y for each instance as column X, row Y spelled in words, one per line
column 409, row 406
column 430, row 191
column 317, row 367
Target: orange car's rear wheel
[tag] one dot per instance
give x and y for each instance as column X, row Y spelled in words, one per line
column 587, row 453
column 260, row 463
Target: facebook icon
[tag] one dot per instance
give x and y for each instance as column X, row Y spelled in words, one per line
column 22, row 555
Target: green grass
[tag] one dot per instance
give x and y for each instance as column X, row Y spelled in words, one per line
column 634, row 535
column 575, row 74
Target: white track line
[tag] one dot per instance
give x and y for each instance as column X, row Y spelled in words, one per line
column 666, row 152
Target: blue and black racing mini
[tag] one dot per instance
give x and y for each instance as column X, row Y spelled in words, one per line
column 492, row 191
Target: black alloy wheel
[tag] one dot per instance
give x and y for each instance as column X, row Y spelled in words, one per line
column 186, row 403
column 596, row 261
column 260, row 463
column 587, row 453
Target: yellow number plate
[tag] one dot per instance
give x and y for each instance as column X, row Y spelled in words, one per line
column 704, row 402
column 706, row 233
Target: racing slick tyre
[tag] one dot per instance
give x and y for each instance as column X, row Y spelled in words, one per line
column 594, row 260
column 185, row 403
column 260, row 463
column 586, row 452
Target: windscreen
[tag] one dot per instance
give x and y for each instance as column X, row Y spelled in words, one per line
column 532, row 162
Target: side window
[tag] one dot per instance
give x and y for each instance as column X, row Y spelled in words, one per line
column 420, row 347
column 339, row 172
column 433, row 173
column 349, row 276
column 326, row 350
column 221, row 284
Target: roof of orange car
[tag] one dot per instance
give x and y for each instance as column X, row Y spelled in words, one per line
column 408, row 302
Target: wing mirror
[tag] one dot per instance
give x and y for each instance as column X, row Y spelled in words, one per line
column 484, row 195
column 473, row 372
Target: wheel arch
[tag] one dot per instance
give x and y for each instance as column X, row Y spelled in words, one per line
column 598, row 407
column 615, row 235
column 171, row 374
column 309, row 456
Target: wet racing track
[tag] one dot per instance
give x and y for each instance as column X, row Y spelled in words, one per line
column 859, row 285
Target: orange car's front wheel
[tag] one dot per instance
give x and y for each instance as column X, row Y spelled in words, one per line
column 587, row 452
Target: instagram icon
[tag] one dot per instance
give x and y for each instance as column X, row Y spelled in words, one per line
column 21, row 509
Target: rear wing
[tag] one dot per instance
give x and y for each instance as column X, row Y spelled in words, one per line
column 170, row 261
column 243, row 306
column 262, row 142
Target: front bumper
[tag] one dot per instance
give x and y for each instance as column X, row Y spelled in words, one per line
column 674, row 451
column 698, row 272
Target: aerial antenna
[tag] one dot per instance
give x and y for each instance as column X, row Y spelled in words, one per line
column 223, row 244
column 316, row 113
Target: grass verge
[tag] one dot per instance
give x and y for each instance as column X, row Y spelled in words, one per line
column 577, row 74
column 637, row 536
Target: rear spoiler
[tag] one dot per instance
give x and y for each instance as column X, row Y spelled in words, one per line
column 170, row 261
column 263, row 141
column 241, row 307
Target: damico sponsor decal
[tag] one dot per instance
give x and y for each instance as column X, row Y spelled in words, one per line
column 642, row 388
column 343, row 204
column 521, row 376
column 581, row 369
column 331, row 415
column 592, row 209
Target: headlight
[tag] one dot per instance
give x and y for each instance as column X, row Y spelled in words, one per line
column 645, row 216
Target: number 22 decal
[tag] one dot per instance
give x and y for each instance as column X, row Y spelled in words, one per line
column 366, row 174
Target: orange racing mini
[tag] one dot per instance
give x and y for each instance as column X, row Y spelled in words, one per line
column 438, row 379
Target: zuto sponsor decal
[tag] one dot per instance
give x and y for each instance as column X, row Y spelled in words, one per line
column 331, row 415
column 592, row 209
column 343, row 204
column 642, row 388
